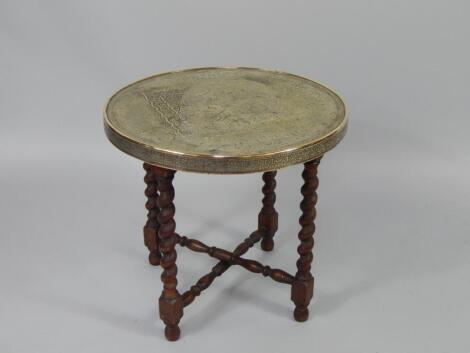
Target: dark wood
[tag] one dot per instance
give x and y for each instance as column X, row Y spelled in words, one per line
column 170, row 302
column 152, row 225
column 160, row 238
column 267, row 218
column 233, row 259
column 205, row 281
column 302, row 287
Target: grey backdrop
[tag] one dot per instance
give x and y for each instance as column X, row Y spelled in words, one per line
column 392, row 261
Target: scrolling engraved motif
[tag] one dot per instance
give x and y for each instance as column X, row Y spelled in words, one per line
column 168, row 104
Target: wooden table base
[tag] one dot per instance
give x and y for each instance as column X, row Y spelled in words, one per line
column 161, row 239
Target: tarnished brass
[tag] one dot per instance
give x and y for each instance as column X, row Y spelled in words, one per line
column 225, row 120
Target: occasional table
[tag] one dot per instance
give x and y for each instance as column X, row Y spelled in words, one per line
column 225, row 121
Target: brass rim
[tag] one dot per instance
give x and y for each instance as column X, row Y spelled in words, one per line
column 219, row 164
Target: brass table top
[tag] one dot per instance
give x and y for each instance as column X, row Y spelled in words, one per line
column 225, row 120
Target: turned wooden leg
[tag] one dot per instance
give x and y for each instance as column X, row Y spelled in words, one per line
column 267, row 218
column 152, row 225
column 302, row 288
column 170, row 302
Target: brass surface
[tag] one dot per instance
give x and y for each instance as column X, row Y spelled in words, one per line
column 225, row 120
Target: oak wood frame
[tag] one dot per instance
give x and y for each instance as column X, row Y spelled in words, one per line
column 160, row 238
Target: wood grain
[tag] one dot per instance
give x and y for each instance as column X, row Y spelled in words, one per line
column 170, row 302
column 268, row 217
column 152, row 225
column 302, row 288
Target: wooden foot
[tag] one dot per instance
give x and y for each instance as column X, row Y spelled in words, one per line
column 172, row 333
column 170, row 302
column 267, row 218
column 302, row 287
column 152, row 225
column 160, row 238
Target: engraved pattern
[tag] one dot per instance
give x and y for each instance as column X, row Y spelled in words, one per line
column 224, row 165
column 168, row 106
column 216, row 120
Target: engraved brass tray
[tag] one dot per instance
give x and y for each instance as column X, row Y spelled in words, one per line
column 225, row 120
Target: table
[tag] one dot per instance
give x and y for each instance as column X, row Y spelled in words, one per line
column 225, row 121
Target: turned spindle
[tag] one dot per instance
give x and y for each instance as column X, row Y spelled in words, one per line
column 267, row 218
column 170, row 302
column 152, row 225
column 302, row 288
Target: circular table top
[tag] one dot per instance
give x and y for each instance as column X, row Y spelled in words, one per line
column 225, row 120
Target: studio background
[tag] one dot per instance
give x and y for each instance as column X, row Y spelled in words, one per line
column 392, row 262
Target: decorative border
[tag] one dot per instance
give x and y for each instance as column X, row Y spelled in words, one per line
column 225, row 165
column 201, row 163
